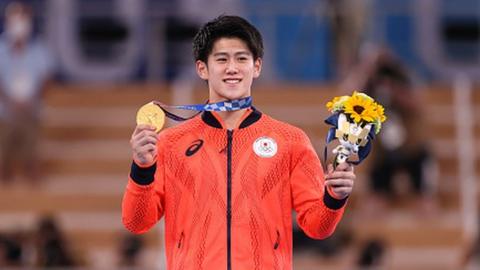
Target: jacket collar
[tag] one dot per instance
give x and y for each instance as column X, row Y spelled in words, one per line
column 212, row 121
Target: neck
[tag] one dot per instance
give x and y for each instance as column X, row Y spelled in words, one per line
column 231, row 119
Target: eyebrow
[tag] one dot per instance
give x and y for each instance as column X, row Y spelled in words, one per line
column 236, row 54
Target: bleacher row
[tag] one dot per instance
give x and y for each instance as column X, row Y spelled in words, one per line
column 86, row 156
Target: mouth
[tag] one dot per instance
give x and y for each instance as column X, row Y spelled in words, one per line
column 232, row 81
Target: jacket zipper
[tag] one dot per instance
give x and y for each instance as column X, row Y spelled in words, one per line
column 229, row 198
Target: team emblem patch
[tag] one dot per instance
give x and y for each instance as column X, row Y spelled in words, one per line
column 265, row 147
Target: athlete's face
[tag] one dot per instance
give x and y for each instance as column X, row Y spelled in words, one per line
column 230, row 70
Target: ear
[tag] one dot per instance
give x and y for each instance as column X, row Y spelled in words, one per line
column 202, row 69
column 257, row 65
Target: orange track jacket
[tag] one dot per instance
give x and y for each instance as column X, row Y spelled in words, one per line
column 227, row 195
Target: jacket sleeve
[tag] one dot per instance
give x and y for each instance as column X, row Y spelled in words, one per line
column 143, row 200
column 318, row 213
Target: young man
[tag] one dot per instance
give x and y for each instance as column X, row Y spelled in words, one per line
column 227, row 182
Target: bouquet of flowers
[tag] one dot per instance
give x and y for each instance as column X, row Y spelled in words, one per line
column 355, row 121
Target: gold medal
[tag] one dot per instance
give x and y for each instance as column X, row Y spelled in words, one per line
column 151, row 114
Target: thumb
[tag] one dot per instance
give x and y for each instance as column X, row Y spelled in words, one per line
column 330, row 168
column 345, row 166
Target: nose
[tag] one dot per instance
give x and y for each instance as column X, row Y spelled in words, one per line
column 231, row 67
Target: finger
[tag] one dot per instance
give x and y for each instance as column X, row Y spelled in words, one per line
column 144, row 161
column 135, row 140
column 145, row 151
column 343, row 191
column 144, row 131
column 142, row 127
column 345, row 166
column 341, row 175
column 152, row 151
column 339, row 183
column 146, row 140
column 144, row 134
column 330, row 168
column 148, row 148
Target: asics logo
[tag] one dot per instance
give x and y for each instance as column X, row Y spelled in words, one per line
column 192, row 149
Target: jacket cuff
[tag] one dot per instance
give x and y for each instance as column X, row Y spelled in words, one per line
column 333, row 203
column 143, row 176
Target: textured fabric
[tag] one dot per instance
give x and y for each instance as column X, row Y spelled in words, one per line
column 190, row 191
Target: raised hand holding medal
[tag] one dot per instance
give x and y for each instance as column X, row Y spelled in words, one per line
column 151, row 118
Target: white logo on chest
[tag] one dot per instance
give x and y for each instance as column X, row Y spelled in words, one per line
column 265, row 147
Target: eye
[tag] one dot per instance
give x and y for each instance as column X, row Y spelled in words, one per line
column 221, row 60
column 242, row 58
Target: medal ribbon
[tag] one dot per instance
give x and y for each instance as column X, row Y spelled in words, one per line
column 222, row 106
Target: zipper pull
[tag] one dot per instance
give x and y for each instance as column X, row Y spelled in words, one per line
column 277, row 242
column 180, row 240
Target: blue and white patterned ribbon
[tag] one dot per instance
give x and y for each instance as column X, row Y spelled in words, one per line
column 222, row 106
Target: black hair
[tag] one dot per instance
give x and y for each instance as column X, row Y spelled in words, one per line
column 371, row 253
column 226, row 27
column 394, row 72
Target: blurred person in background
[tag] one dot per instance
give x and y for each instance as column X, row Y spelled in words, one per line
column 327, row 248
column 25, row 67
column 348, row 19
column 52, row 249
column 372, row 255
column 10, row 251
column 401, row 149
column 227, row 181
column 470, row 259
column 130, row 249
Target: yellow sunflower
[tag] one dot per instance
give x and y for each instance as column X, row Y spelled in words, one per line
column 361, row 107
column 331, row 103
column 337, row 103
column 380, row 112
